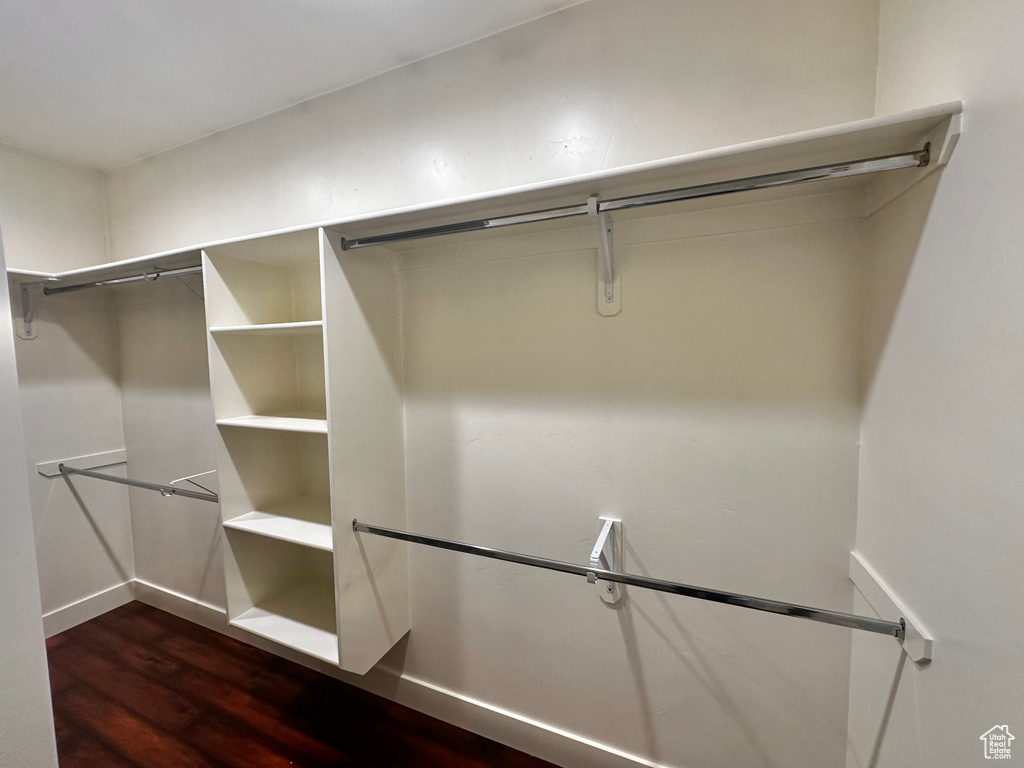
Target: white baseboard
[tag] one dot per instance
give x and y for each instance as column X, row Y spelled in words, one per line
column 87, row 608
column 513, row 729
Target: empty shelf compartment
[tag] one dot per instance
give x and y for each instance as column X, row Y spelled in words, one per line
column 301, row 618
column 283, row 592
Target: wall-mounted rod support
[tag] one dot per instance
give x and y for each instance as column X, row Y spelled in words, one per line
column 892, row 628
column 783, row 178
column 605, row 556
column 192, row 479
column 164, row 490
column 145, row 276
column 29, row 300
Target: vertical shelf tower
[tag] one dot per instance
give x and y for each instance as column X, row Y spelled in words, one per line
column 305, row 374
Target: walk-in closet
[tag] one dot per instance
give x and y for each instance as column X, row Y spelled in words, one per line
column 570, row 383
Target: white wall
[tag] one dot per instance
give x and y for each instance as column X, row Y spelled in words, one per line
column 943, row 427
column 71, row 405
column 68, row 374
column 717, row 415
column 54, row 213
column 26, row 720
column 597, row 86
column 169, row 433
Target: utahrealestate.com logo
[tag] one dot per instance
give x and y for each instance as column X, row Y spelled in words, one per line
column 997, row 742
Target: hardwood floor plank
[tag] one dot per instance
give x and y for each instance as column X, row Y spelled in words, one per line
column 259, row 715
column 59, row 679
column 160, row 706
column 131, row 653
column 215, row 736
column 130, row 622
column 413, row 748
column 256, row 679
column 140, row 688
column 179, row 626
column 67, row 734
column 89, row 753
column 126, row 733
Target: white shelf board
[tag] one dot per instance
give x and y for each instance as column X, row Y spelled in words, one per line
column 112, row 270
column 304, row 328
column 301, row 618
column 857, row 140
column 305, row 520
column 871, row 137
column 314, row 422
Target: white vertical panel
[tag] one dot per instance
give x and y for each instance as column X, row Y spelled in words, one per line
column 364, row 384
column 940, row 493
column 26, row 722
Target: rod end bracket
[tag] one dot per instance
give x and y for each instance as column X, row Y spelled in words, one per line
column 609, row 283
column 606, row 555
column 31, row 293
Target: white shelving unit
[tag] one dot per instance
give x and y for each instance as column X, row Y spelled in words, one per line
column 266, row 346
column 307, row 441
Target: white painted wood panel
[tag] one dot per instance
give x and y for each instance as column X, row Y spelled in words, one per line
column 364, row 381
column 25, row 711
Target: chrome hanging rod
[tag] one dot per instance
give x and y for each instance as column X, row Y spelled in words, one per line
column 145, row 276
column 164, row 490
column 783, row 178
column 891, row 628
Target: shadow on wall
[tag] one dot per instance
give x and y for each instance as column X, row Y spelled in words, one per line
column 100, row 536
column 895, row 235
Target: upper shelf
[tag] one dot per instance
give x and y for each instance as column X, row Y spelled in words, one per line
column 938, row 126
column 874, row 137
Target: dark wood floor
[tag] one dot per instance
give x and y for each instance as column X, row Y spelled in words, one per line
column 140, row 687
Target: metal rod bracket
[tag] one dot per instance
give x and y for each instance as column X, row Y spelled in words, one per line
column 609, row 285
column 147, row 276
column 917, row 640
column 30, row 295
column 163, row 490
column 605, row 557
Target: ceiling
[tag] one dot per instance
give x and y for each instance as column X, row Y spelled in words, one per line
column 106, row 82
